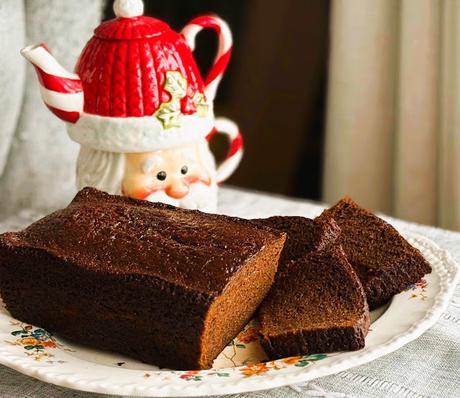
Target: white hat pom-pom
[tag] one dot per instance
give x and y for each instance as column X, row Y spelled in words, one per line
column 128, row 8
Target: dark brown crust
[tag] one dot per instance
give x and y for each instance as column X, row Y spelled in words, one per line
column 384, row 261
column 94, row 298
column 314, row 342
column 281, row 339
column 124, row 235
column 303, row 235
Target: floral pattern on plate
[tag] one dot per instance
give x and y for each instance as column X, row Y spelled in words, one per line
column 418, row 290
column 36, row 342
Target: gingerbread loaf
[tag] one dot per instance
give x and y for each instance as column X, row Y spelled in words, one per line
column 164, row 285
column 384, row 261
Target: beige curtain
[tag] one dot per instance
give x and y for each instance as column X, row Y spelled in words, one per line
column 393, row 123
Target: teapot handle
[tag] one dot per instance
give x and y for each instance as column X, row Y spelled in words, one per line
column 235, row 153
column 224, row 50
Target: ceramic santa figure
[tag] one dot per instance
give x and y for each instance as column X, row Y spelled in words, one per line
column 140, row 110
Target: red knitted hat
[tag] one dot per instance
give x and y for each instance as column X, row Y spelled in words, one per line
column 124, row 68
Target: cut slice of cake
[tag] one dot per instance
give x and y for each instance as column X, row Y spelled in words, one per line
column 317, row 306
column 303, row 235
column 164, row 285
column 383, row 260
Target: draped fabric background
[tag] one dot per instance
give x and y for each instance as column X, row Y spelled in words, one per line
column 37, row 158
column 393, row 118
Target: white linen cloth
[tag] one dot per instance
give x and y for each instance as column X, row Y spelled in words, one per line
column 425, row 368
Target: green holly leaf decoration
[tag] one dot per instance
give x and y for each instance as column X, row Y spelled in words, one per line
column 169, row 114
column 175, row 84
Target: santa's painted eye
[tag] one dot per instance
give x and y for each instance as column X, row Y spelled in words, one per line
column 184, row 170
column 161, row 175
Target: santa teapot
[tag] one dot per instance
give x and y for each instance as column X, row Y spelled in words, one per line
column 140, row 110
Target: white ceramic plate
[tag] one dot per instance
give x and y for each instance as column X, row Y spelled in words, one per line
column 34, row 352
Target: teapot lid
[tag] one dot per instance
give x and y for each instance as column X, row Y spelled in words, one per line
column 130, row 23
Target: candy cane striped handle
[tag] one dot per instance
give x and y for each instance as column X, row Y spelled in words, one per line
column 235, row 153
column 224, row 50
column 62, row 91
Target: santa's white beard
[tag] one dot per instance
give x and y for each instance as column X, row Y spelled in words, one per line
column 100, row 169
column 200, row 197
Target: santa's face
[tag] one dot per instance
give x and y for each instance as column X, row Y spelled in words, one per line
column 178, row 176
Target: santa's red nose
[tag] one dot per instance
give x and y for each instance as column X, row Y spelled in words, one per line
column 177, row 190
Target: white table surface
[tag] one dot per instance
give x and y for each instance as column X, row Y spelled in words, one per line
column 427, row 367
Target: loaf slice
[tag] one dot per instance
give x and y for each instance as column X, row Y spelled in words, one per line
column 384, row 261
column 164, row 285
column 317, row 306
column 303, row 235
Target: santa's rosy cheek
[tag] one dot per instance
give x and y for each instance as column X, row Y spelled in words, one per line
column 196, row 179
column 141, row 188
column 143, row 192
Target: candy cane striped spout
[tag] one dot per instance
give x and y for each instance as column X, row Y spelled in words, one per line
column 62, row 91
column 224, row 50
